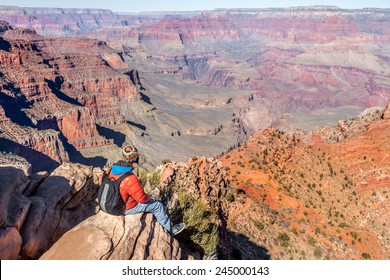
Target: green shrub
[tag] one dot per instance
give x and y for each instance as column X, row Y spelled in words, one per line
column 311, row 241
column 318, row 252
column 259, row 225
column 230, row 196
column 166, row 161
column 154, row 179
column 366, row 256
column 283, row 239
column 201, row 221
column 354, row 234
column 343, row 225
column 143, row 177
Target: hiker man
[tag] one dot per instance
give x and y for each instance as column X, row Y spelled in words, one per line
column 132, row 191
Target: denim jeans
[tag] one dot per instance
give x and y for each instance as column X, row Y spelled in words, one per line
column 155, row 207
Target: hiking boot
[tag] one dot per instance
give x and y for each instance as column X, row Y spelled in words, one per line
column 176, row 229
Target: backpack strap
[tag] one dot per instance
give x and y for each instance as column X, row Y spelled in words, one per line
column 118, row 181
column 123, row 176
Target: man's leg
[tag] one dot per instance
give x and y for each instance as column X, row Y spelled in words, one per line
column 155, row 207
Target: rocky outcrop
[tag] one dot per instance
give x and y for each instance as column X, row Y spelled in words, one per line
column 43, row 149
column 386, row 114
column 9, row 159
column 202, row 177
column 39, row 210
column 199, row 194
column 62, row 200
column 348, row 128
column 79, row 127
column 106, row 237
column 13, row 211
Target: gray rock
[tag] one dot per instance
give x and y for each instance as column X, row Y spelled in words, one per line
column 11, row 179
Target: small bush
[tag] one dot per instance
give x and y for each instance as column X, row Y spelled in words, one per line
column 154, row 179
column 200, row 219
column 283, row 239
column 311, row 241
column 259, row 225
column 343, row 225
column 354, row 234
column 230, row 196
column 366, row 256
column 318, row 252
column 166, row 161
column 143, row 178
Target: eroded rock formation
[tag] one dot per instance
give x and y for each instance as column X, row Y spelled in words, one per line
column 106, row 237
column 54, row 92
column 39, row 210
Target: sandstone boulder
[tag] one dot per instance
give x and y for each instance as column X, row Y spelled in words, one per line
column 64, row 199
column 13, row 211
column 102, row 236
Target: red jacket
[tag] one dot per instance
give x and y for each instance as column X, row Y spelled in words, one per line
column 131, row 186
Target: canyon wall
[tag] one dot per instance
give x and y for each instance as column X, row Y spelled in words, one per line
column 199, row 82
column 52, row 97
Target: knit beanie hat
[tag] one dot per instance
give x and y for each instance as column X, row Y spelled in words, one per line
column 129, row 153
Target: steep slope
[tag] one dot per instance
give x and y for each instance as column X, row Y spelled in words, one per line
column 53, row 98
column 315, row 195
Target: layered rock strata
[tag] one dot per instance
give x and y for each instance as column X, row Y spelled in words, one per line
column 53, row 96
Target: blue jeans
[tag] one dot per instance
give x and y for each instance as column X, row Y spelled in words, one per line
column 155, row 207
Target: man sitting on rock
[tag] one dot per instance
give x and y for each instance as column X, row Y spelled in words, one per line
column 132, row 191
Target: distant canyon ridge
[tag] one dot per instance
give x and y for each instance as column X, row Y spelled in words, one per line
column 76, row 83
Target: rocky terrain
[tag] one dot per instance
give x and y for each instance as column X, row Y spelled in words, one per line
column 41, row 209
column 272, row 198
column 48, row 216
column 317, row 195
